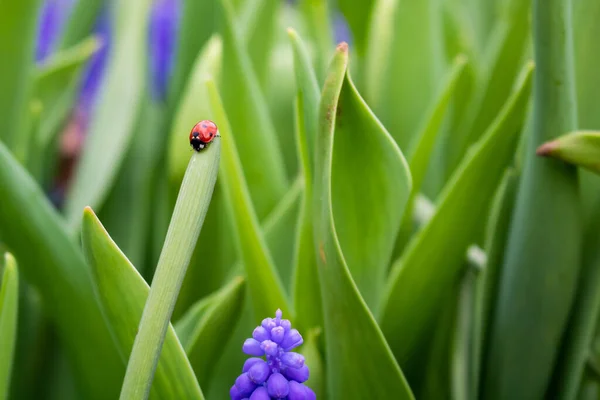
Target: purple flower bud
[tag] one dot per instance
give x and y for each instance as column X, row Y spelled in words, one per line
column 298, row 391
column 164, row 18
column 252, row 348
column 286, row 324
column 293, row 360
column 250, row 362
column 297, row 374
column 277, row 334
column 270, row 348
column 292, row 339
column 278, row 386
column 261, row 334
column 260, row 394
column 235, row 394
column 278, row 315
column 268, row 324
column 244, row 385
column 259, row 372
column 311, row 394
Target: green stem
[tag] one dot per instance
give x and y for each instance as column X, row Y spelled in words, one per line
column 190, row 209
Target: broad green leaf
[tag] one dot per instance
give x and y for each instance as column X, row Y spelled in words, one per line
column 543, row 253
column 188, row 216
column 59, row 272
column 359, row 361
column 307, row 299
column 208, row 331
column 114, row 119
column 197, row 24
column 267, row 293
column 55, row 85
column 193, row 107
column 418, row 278
column 506, row 48
column 580, row 148
column 17, row 44
column 486, row 291
column 122, row 293
column 246, row 108
column 404, row 63
column 9, row 297
column 314, row 360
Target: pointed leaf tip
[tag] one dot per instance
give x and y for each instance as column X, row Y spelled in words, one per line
column 547, row 149
column 342, row 47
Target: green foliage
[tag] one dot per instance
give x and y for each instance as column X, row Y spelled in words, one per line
column 429, row 225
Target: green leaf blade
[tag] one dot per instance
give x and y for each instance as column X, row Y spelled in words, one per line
column 9, row 290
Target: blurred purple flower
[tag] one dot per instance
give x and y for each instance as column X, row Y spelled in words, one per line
column 283, row 373
column 53, row 16
column 341, row 30
column 164, row 22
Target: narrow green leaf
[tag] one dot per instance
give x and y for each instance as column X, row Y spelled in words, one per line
column 404, row 63
column 17, row 43
column 317, row 19
column 9, row 298
column 580, row 148
column 81, row 22
column 250, row 118
column 486, row 291
column 211, row 329
column 112, row 126
column 193, row 106
column 55, row 85
column 417, row 278
column 122, row 293
column 354, row 332
column 314, row 359
column 59, row 272
column 543, row 253
column 307, row 300
column 266, row 290
column 356, row 14
column 186, row 222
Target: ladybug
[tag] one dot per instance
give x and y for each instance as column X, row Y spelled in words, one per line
column 202, row 134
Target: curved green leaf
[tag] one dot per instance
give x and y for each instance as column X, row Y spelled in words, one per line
column 9, row 291
column 307, row 300
column 122, row 293
column 266, row 290
column 17, row 44
column 208, row 326
column 112, row 126
column 418, row 280
column 581, row 148
column 59, row 272
column 359, row 361
column 255, row 133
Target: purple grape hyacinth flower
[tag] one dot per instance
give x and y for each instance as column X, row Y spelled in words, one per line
column 52, row 20
column 164, row 22
column 282, row 373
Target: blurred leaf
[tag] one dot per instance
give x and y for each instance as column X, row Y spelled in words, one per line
column 58, row 270
column 356, row 14
column 581, row 148
column 307, row 298
column 254, row 129
column 17, row 44
column 354, row 332
column 55, row 86
column 208, row 328
column 417, row 278
column 543, row 253
column 404, row 63
column 193, row 106
column 114, row 119
column 314, row 359
column 80, row 22
column 500, row 68
column 122, row 293
column 9, row 291
column 266, row 290
column 317, row 19
column 194, row 34
column 486, row 291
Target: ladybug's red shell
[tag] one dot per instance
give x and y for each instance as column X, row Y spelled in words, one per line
column 203, row 133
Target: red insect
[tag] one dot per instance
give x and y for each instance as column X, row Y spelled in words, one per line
column 202, row 134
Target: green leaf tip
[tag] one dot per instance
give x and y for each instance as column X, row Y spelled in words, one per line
column 580, row 148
